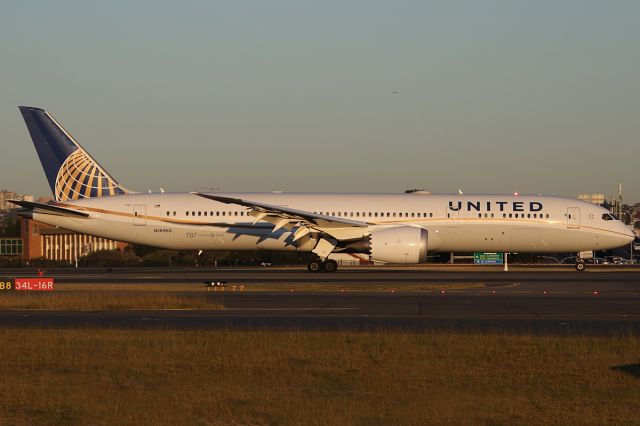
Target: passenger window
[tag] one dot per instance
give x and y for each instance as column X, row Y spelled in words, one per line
column 510, row 215
column 187, row 213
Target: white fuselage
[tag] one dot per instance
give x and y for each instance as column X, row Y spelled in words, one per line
column 455, row 223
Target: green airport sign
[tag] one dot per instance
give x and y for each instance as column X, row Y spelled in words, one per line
column 488, row 258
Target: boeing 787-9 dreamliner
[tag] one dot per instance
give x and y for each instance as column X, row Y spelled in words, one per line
column 388, row 228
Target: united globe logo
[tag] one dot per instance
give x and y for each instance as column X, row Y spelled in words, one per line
column 80, row 177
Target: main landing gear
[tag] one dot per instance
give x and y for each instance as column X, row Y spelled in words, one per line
column 318, row 265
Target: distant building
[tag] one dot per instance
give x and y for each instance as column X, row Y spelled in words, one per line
column 10, row 246
column 599, row 199
column 44, row 241
column 5, row 196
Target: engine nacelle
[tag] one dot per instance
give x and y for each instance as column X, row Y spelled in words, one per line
column 400, row 244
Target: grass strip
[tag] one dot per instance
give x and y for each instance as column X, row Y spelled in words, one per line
column 92, row 300
column 315, row 378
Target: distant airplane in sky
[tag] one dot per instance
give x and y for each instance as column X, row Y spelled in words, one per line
column 390, row 228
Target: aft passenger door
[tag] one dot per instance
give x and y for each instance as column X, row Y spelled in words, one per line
column 139, row 214
column 573, row 217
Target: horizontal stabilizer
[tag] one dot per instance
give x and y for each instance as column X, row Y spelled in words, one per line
column 48, row 208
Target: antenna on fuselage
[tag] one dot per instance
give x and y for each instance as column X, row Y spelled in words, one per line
column 460, row 191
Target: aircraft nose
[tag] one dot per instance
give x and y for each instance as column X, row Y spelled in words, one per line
column 629, row 235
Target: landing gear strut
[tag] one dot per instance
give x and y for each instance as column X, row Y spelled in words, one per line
column 318, row 265
column 580, row 266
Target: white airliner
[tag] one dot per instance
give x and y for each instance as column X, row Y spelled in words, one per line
column 392, row 228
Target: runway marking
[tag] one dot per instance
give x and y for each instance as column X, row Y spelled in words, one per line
column 291, row 309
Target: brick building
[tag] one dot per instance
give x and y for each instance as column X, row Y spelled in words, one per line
column 51, row 243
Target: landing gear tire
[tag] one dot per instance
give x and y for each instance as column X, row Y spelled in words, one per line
column 314, row 266
column 330, row 265
column 580, row 266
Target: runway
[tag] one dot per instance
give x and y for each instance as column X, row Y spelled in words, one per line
column 556, row 301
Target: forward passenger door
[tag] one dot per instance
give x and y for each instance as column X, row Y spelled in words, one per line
column 573, row 217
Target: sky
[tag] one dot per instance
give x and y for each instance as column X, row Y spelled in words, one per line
column 492, row 96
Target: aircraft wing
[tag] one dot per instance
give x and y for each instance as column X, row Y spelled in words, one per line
column 48, row 208
column 284, row 215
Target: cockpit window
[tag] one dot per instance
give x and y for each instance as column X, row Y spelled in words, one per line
column 608, row 216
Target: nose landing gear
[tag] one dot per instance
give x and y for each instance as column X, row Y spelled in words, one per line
column 318, row 265
column 580, row 266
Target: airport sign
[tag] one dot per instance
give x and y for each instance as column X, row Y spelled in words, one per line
column 488, row 258
column 34, row 284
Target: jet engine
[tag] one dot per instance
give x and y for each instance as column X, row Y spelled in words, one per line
column 399, row 244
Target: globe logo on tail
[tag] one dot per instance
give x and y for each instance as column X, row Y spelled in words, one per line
column 80, row 177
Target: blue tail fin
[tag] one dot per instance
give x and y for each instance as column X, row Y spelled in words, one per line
column 72, row 173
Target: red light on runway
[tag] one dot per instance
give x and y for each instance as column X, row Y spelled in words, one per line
column 442, row 292
column 595, row 293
